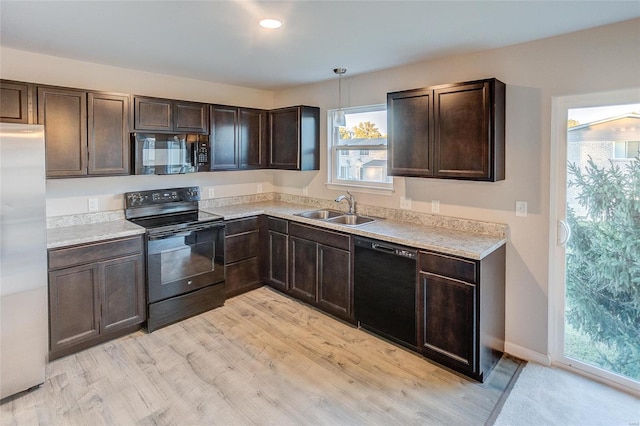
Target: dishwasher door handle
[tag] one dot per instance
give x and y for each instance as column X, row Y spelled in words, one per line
column 383, row 248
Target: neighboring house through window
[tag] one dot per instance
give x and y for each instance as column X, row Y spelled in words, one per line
column 358, row 151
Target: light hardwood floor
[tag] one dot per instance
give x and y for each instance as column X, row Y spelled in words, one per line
column 260, row 359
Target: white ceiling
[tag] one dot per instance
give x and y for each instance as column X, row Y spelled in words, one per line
column 221, row 41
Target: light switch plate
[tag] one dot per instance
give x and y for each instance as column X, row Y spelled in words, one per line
column 521, row 208
column 92, row 204
column 305, row 190
column 259, row 188
column 435, row 206
column 405, row 203
column 212, row 193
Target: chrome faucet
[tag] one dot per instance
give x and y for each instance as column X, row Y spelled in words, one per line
column 350, row 200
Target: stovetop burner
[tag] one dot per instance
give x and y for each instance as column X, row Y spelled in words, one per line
column 175, row 219
column 164, row 209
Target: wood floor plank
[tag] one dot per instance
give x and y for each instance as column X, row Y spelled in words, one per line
column 262, row 359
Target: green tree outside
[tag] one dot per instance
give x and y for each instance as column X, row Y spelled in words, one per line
column 603, row 266
column 363, row 130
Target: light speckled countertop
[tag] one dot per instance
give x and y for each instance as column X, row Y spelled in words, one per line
column 91, row 232
column 459, row 242
column 448, row 241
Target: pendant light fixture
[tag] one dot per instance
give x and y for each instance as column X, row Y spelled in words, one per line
column 339, row 118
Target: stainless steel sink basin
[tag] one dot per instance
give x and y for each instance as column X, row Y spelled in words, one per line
column 320, row 214
column 335, row 216
column 351, row 220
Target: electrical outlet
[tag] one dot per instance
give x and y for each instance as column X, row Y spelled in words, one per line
column 259, row 188
column 92, row 204
column 305, row 190
column 435, row 206
column 212, row 193
column 405, row 203
column 521, row 208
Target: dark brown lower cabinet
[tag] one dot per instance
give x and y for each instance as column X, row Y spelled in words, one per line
column 320, row 269
column 461, row 311
column 241, row 256
column 304, row 271
column 449, row 320
column 334, row 272
column 96, row 292
column 276, row 272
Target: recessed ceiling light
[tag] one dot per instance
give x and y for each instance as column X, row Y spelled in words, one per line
column 270, row 23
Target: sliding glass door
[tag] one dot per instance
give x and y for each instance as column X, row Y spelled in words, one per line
column 596, row 257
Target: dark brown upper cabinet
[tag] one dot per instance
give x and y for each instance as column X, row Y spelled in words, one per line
column 108, row 134
column 454, row 131
column 224, row 138
column 294, row 136
column 238, row 138
column 86, row 133
column 169, row 116
column 252, row 138
column 63, row 112
column 16, row 102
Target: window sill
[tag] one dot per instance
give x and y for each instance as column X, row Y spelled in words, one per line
column 361, row 188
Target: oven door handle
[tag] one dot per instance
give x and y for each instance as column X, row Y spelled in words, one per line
column 182, row 232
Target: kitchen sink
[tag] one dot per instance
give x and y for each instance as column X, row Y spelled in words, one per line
column 335, row 216
column 320, row 214
column 351, row 220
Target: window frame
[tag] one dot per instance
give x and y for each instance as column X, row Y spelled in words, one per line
column 333, row 152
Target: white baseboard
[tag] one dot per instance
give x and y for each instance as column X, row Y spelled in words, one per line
column 527, row 354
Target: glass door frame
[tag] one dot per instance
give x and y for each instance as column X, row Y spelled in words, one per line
column 558, row 213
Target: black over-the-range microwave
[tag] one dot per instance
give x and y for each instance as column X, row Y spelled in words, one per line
column 168, row 154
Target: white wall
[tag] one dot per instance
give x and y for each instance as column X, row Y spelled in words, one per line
column 70, row 196
column 600, row 59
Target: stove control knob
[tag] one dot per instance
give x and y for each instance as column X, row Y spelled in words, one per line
column 134, row 199
column 192, row 193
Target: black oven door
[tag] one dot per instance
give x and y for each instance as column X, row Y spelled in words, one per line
column 181, row 262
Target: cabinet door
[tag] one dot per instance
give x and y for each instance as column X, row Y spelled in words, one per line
column 284, row 149
column 122, row 292
column 252, row 139
column 462, row 146
column 108, row 125
column 64, row 115
column 74, row 306
column 277, row 268
column 449, row 321
column 191, row 117
column 409, row 133
column 334, row 281
column 15, row 102
column 153, row 114
column 224, row 146
column 303, row 275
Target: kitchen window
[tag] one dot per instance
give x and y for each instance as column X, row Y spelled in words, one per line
column 358, row 151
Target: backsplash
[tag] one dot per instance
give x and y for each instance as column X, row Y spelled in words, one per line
column 84, row 218
column 426, row 219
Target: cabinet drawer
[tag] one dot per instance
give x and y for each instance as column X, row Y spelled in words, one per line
column 448, row 266
column 86, row 253
column 279, row 225
column 241, row 246
column 242, row 274
column 328, row 238
column 239, row 226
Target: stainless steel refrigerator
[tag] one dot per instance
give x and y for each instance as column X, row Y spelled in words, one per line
column 23, row 258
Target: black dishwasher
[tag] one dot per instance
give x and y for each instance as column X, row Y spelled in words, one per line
column 385, row 277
